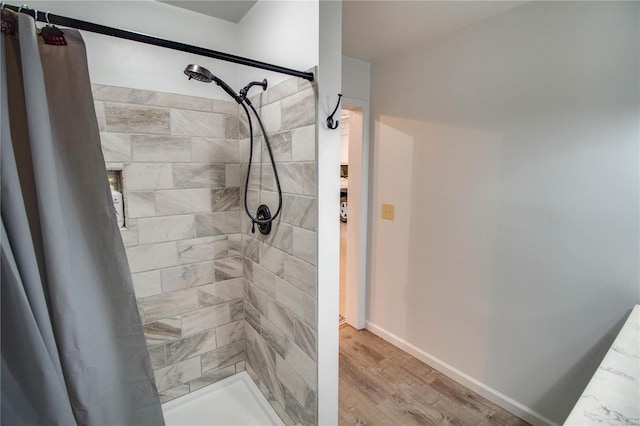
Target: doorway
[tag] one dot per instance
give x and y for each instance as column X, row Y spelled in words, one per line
column 353, row 209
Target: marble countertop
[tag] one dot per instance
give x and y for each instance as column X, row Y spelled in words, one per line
column 612, row 397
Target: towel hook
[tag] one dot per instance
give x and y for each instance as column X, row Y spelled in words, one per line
column 330, row 123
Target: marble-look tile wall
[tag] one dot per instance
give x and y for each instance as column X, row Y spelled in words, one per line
column 280, row 268
column 180, row 158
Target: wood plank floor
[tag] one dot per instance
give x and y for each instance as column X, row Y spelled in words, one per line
column 382, row 385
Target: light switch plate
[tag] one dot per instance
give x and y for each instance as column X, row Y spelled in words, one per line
column 387, row 211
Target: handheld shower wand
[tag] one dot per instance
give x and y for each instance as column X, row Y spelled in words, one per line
column 263, row 217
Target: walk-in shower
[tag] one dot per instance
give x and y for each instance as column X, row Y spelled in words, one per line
column 263, row 217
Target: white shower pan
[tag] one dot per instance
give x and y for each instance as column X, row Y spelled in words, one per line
column 235, row 400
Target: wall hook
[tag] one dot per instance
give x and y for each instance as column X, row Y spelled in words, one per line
column 330, row 123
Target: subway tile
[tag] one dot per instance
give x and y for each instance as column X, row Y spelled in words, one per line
column 136, row 119
column 124, row 95
column 218, row 223
column 306, row 339
column 303, row 144
column 169, row 304
column 247, row 268
column 201, row 249
column 198, row 175
column 215, row 150
column 230, row 333
column 264, row 280
column 235, row 244
column 116, row 146
column 223, row 356
column 224, row 199
column 162, row 331
column 224, row 107
column 300, row 362
column 168, row 149
column 177, row 374
column 140, row 204
column 243, row 127
column 300, row 274
column 188, row 347
column 271, row 117
column 300, row 211
column 281, row 90
column 280, row 146
column 309, row 179
column 291, row 380
column 173, row 100
column 272, row 335
column 291, row 177
column 232, row 175
column 282, row 413
column 211, row 317
column 185, row 276
column 147, row 176
column 281, row 237
column 231, row 126
column 100, row 116
column 299, row 413
column 261, row 358
column 146, row 284
column 251, row 316
column 181, row 201
column 272, row 259
column 262, row 177
column 167, row 228
column 173, row 393
column 156, row 353
column 305, row 245
column 221, row 292
column 152, row 256
column 299, row 110
column 228, row 268
column 197, row 123
column 309, row 307
column 290, row 297
column 257, row 298
column 129, row 233
column 282, row 318
column 251, row 248
column 211, row 377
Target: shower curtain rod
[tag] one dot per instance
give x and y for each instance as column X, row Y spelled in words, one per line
column 144, row 38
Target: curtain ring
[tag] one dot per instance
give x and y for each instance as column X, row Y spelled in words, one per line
column 46, row 17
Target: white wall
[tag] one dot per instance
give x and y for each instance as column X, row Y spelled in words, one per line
column 328, row 163
column 280, row 32
column 356, row 78
column 117, row 62
column 510, row 151
column 283, row 33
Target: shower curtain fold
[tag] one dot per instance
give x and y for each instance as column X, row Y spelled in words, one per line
column 73, row 350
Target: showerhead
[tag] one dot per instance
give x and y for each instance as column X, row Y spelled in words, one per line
column 198, row 73
column 203, row 75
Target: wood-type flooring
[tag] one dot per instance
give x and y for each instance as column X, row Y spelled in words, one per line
column 382, row 385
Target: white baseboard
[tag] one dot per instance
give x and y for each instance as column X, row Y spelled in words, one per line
column 480, row 388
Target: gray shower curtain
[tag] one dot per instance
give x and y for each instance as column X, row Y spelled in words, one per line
column 73, row 351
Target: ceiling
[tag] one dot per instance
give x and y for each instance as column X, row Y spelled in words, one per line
column 374, row 30
column 229, row 10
